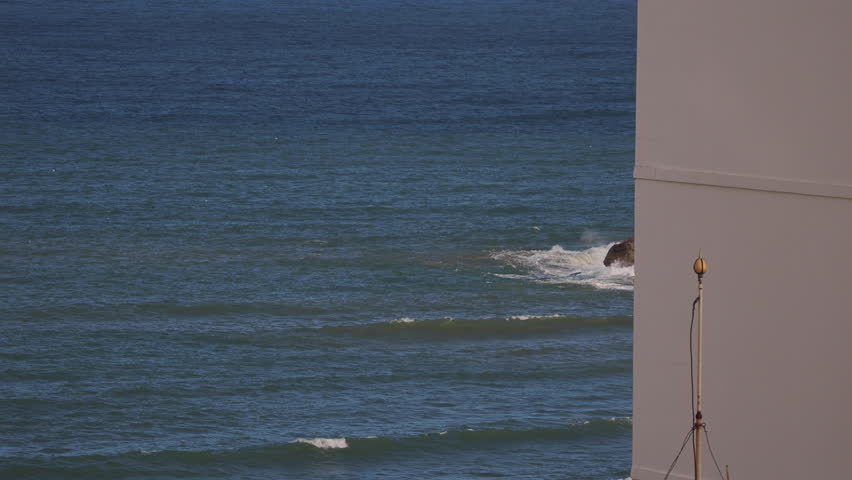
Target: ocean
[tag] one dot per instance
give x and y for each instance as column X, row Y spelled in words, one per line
column 272, row 239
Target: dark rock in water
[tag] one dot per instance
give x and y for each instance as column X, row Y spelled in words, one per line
column 620, row 254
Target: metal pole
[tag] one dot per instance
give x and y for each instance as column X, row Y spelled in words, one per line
column 699, row 423
column 700, row 268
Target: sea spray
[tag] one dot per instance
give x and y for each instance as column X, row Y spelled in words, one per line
column 560, row 266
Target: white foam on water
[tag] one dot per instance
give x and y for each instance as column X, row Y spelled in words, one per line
column 560, row 266
column 410, row 320
column 326, row 443
column 404, row 320
column 610, row 419
column 529, row 317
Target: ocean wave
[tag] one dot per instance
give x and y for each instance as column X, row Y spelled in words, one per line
column 257, row 308
column 405, row 328
column 171, row 310
column 473, row 439
column 560, row 266
column 447, row 328
column 327, row 443
column 307, row 451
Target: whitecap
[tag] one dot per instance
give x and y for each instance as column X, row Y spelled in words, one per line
column 530, row 317
column 404, row 320
column 325, row 443
column 560, row 266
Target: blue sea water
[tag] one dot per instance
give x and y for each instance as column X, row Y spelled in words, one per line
column 271, row 239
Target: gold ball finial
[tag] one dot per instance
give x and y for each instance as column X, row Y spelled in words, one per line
column 700, row 265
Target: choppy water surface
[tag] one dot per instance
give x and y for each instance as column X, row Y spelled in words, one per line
column 315, row 240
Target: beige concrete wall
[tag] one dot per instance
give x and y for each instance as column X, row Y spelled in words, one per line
column 744, row 149
column 755, row 88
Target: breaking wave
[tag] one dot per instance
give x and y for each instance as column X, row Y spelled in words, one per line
column 514, row 326
column 560, row 266
column 470, row 439
column 327, row 443
column 307, row 451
